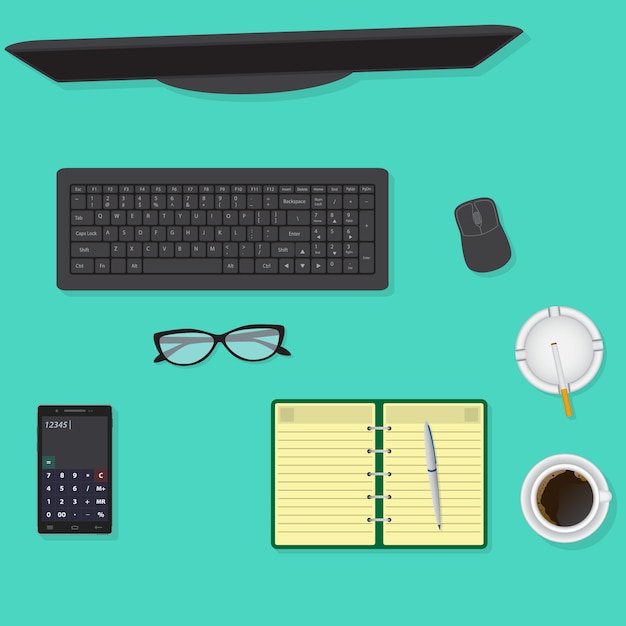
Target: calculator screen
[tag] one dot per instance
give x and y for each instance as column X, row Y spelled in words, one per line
column 74, row 470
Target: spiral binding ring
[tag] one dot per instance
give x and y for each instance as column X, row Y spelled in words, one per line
column 379, row 473
column 378, row 497
column 379, row 451
column 379, row 428
column 378, row 519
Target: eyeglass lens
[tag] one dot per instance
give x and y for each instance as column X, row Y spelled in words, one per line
column 186, row 348
column 253, row 344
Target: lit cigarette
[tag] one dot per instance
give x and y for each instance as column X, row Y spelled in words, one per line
column 561, row 377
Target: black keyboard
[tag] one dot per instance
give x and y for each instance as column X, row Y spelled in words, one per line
column 222, row 229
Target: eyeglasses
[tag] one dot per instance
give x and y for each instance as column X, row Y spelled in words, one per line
column 249, row 343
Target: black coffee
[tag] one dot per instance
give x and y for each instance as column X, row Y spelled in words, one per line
column 565, row 498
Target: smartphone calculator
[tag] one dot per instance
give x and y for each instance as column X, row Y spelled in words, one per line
column 74, row 466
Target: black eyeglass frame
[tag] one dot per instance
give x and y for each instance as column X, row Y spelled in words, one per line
column 222, row 339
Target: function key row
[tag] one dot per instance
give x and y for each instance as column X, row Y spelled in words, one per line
column 91, row 189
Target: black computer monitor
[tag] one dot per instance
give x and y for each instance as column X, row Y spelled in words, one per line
column 263, row 62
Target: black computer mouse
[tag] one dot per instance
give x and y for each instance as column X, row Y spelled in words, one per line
column 485, row 245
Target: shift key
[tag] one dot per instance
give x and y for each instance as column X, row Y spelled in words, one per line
column 90, row 249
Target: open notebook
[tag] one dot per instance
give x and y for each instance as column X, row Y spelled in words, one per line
column 353, row 473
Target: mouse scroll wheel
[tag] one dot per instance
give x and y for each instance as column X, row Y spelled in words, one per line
column 477, row 217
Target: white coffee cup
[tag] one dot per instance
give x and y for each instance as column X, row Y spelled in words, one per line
column 601, row 497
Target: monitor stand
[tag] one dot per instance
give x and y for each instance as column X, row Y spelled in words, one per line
column 253, row 83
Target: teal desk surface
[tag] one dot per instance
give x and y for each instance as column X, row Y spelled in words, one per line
column 539, row 128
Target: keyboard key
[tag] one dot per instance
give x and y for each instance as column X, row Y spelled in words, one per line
column 294, row 201
column 198, row 249
column 246, row 250
column 126, row 233
column 214, row 218
column 350, row 266
column 182, row 266
column 334, row 202
column 190, row 202
column 134, row 250
column 366, row 258
column 366, row 201
column 288, row 233
column 118, row 218
column 303, row 266
column 166, row 218
column 78, row 202
column 270, row 233
column 110, row 233
column 366, row 227
column 266, row 266
column 150, row 218
column 298, row 218
column 118, row 249
column 230, row 266
column 166, row 249
column 134, row 218
column 93, row 233
column 230, row 249
column 303, row 249
column 90, row 249
column 286, row 266
column 283, row 249
column 118, row 266
column 109, row 201
column 270, row 202
column 262, row 250
column 182, row 249
column 82, row 266
column 318, row 249
column 246, row 266
column 182, row 218
column 334, row 266
column 151, row 250
column 255, row 201
column 103, row 218
column 351, row 201
column 350, row 249
column 82, row 218
column 350, row 218
column 94, row 201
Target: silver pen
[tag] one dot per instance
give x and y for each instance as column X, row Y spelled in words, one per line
column 431, row 466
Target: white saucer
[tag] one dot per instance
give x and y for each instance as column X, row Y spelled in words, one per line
column 580, row 348
column 525, row 497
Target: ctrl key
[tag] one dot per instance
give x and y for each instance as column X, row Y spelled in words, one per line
column 82, row 266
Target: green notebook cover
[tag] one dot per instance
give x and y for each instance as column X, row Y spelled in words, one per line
column 352, row 473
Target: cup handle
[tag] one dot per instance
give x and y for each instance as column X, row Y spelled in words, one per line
column 605, row 496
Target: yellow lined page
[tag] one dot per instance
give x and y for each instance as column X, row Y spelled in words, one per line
column 320, row 474
column 458, row 435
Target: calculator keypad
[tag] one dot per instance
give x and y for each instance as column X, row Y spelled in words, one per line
column 75, row 495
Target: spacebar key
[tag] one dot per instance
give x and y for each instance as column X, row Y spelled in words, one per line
column 182, row 266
